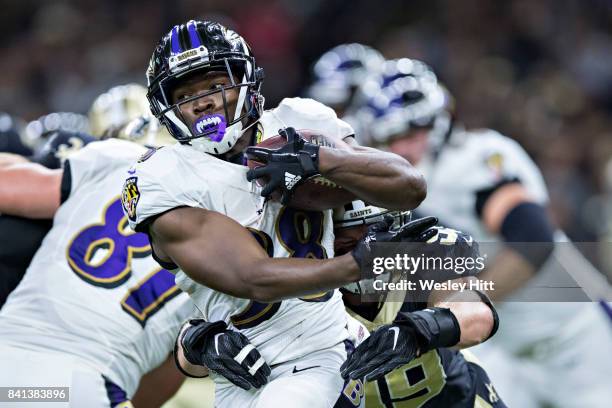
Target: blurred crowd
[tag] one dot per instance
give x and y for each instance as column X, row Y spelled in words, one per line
column 537, row 71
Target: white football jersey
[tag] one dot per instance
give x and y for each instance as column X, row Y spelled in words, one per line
column 473, row 161
column 539, row 345
column 181, row 176
column 92, row 290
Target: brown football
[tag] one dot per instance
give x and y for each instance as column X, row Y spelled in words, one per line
column 317, row 193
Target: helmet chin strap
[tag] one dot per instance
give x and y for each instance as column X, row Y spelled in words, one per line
column 235, row 131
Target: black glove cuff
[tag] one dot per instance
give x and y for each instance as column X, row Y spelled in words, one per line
column 485, row 299
column 435, row 327
column 364, row 261
column 194, row 338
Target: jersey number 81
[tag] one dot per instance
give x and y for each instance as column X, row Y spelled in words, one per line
column 101, row 254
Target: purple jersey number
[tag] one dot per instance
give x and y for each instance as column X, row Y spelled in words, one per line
column 300, row 233
column 119, row 245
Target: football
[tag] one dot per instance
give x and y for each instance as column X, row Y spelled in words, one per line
column 317, row 193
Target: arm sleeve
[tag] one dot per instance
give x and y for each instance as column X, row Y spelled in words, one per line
column 529, row 232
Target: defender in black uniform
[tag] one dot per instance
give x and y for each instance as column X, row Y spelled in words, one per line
column 440, row 377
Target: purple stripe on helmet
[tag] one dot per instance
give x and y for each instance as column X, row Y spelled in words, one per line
column 174, row 40
column 193, row 35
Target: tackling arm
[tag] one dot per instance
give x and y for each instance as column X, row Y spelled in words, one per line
column 191, row 237
column 29, row 190
column 477, row 320
column 7, row 159
column 380, row 178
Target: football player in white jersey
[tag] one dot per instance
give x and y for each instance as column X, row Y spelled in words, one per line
column 439, row 377
column 94, row 312
column 484, row 183
column 194, row 200
column 110, row 111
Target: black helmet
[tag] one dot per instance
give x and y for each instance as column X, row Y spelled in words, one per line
column 203, row 46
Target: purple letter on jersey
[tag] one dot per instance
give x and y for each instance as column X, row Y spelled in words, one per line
column 212, row 126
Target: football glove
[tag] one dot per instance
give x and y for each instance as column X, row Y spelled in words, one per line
column 287, row 167
column 419, row 230
column 450, row 243
column 396, row 344
column 227, row 352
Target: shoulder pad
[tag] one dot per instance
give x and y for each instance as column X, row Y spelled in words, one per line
column 304, row 113
column 503, row 158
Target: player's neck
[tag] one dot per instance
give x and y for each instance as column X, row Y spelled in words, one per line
column 236, row 154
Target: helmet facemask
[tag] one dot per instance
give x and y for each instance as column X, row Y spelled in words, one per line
column 212, row 133
column 405, row 97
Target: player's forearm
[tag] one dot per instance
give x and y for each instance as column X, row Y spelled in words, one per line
column 509, row 271
column 235, row 264
column 7, row 159
column 29, row 190
column 381, row 178
column 159, row 385
column 274, row 279
column 475, row 317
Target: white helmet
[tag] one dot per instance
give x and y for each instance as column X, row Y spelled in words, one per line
column 406, row 94
column 339, row 71
column 358, row 213
column 147, row 131
column 116, row 107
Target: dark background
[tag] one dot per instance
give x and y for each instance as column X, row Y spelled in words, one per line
column 537, row 71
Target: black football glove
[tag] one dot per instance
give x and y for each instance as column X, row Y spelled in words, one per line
column 287, row 167
column 418, row 230
column 449, row 243
column 227, row 352
column 451, row 237
column 393, row 345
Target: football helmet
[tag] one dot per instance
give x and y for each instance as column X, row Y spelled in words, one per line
column 147, row 131
column 358, row 213
column 12, row 135
column 198, row 47
column 340, row 71
column 37, row 131
column 116, row 107
column 405, row 95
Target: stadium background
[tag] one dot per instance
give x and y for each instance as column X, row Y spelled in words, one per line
column 537, row 71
